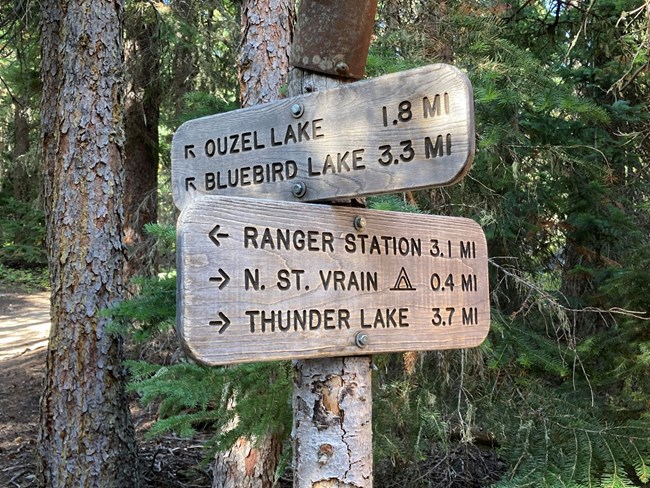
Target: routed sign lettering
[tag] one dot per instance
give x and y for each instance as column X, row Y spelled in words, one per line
column 407, row 130
column 262, row 280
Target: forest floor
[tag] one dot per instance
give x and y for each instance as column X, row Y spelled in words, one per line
column 168, row 462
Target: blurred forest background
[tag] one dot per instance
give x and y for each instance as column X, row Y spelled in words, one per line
column 559, row 393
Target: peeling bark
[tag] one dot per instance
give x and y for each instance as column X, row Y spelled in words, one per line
column 247, row 464
column 332, row 437
column 85, row 434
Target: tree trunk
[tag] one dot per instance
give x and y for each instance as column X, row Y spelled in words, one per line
column 85, row 435
column 142, row 112
column 267, row 28
column 23, row 180
column 577, row 286
column 20, row 176
column 184, row 68
column 247, row 464
column 332, row 432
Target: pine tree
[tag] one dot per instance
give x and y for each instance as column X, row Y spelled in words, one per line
column 85, row 436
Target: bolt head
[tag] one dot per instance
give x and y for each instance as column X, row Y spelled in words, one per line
column 359, row 223
column 361, row 339
column 342, row 68
column 297, row 110
column 299, row 189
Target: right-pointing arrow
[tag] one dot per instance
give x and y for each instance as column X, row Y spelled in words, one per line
column 223, row 322
column 223, row 280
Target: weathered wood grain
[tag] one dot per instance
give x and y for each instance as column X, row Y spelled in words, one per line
column 408, row 282
column 407, row 130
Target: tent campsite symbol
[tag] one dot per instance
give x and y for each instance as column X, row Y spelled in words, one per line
column 403, row 283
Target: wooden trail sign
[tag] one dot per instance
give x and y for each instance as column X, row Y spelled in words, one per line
column 261, row 280
column 407, row 130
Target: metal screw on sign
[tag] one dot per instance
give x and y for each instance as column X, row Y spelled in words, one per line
column 299, row 189
column 297, row 110
column 361, row 339
column 342, row 68
column 359, row 223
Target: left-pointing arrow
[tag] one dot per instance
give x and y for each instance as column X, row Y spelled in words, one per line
column 215, row 235
column 222, row 280
column 222, row 322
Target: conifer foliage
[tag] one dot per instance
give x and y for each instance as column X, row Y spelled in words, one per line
column 560, row 186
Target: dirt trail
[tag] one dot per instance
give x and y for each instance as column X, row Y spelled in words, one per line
column 24, row 328
column 169, row 462
column 24, row 322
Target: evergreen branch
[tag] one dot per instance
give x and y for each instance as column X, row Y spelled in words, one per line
column 622, row 86
column 635, row 13
column 544, row 295
column 11, row 94
column 583, row 26
column 591, row 458
column 577, row 359
column 517, row 12
column 556, row 146
column 641, row 468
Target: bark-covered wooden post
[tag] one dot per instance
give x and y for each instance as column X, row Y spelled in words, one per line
column 332, row 398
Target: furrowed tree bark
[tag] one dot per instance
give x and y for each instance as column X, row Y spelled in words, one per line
column 267, row 29
column 332, row 397
column 85, row 435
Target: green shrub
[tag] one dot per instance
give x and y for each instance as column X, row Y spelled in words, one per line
column 22, row 234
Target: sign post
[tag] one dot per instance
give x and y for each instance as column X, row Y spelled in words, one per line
column 332, row 397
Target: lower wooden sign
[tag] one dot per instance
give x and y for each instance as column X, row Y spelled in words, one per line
column 260, row 280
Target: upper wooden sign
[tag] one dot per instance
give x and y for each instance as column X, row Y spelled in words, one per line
column 407, row 130
column 261, row 280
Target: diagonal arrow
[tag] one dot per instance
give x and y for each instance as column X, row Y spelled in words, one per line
column 223, row 322
column 224, row 279
column 215, row 235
